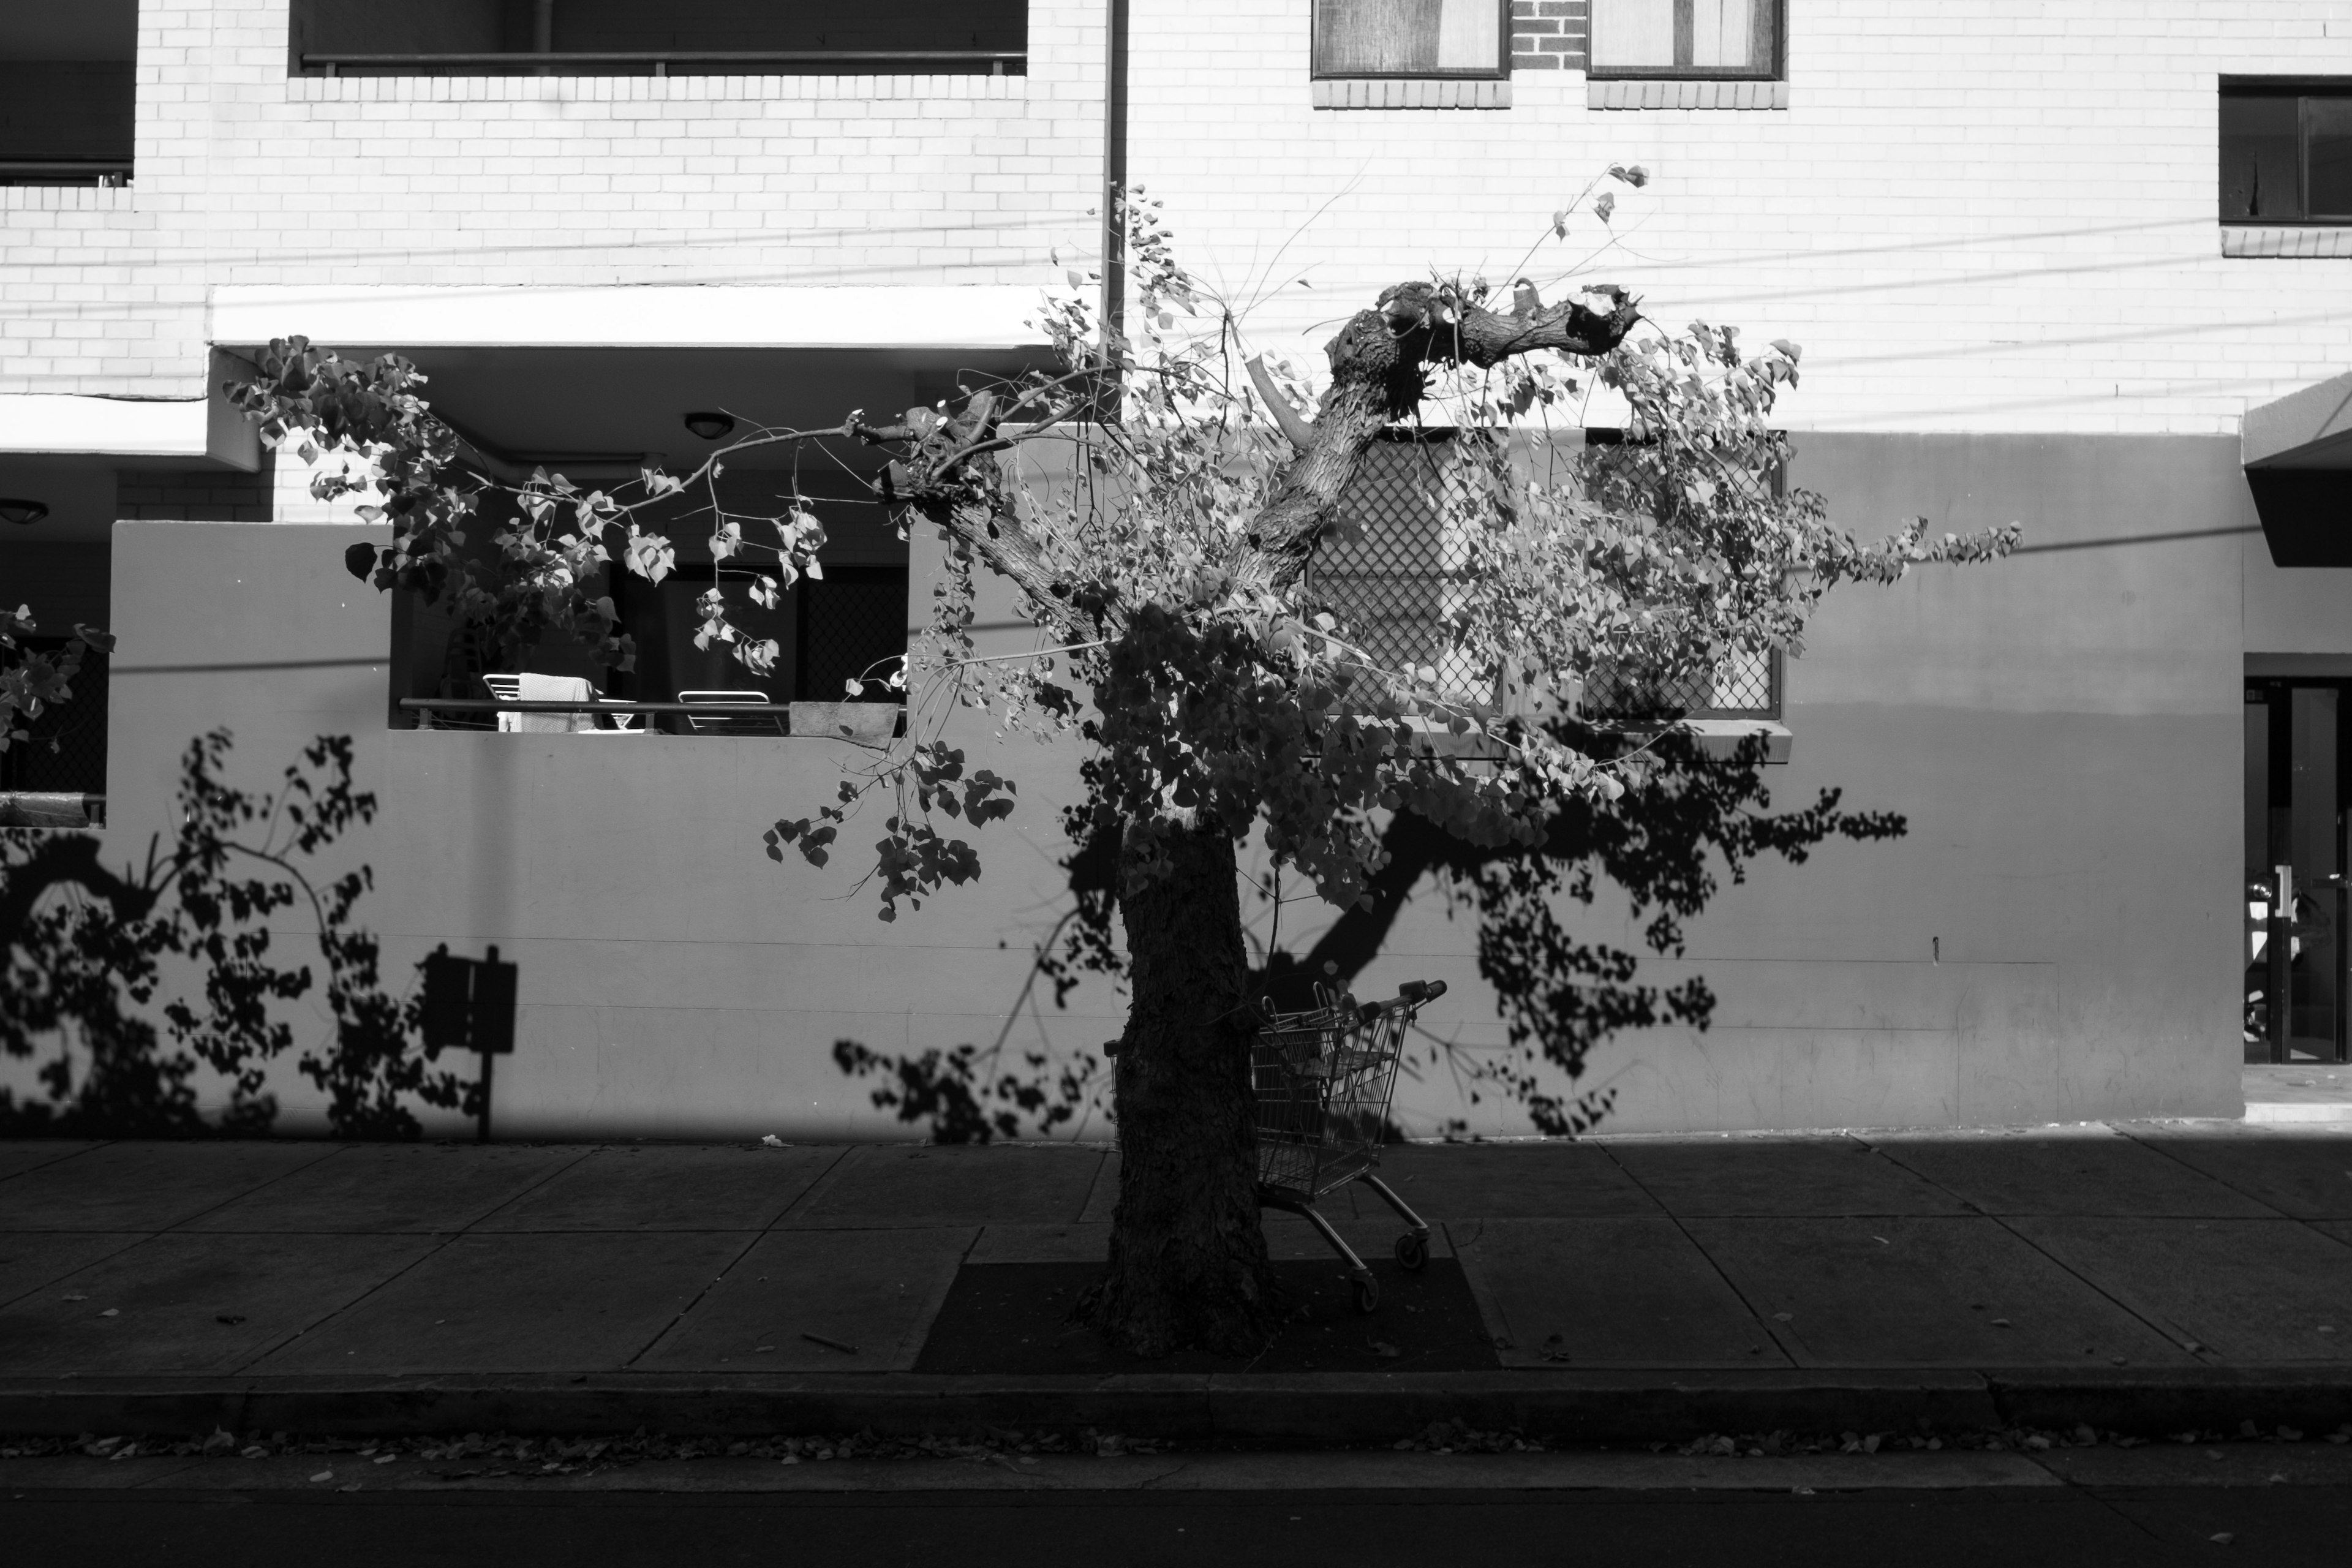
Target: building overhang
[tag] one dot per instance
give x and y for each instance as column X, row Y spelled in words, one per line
column 593, row 379
column 2297, row 453
column 194, row 432
column 871, row 317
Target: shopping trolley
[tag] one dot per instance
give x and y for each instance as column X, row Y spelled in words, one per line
column 1322, row 1081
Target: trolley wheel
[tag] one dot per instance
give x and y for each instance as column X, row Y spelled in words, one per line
column 1411, row 1253
column 1368, row 1293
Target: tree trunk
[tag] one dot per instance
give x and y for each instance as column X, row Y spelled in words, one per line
column 1188, row 1265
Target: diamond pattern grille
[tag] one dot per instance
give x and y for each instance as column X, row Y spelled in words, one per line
column 1394, row 571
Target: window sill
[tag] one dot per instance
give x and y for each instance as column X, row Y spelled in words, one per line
column 2287, row 241
column 1655, row 92
column 1411, row 92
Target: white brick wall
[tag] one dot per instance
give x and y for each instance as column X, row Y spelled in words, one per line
column 1974, row 214
column 246, row 176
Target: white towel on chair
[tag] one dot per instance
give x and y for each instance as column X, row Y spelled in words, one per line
column 553, row 689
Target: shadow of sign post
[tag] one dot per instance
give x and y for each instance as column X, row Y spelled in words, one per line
column 469, row 1005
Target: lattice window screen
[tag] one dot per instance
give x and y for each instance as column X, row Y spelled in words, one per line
column 1394, row 572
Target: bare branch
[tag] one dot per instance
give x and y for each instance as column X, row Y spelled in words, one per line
column 1301, row 434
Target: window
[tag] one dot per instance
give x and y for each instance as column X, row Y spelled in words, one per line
column 66, row 750
column 1691, row 38
column 1394, row 571
column 1411, row 38
column 682, row 38
column 67, row 85
column 2286, row 152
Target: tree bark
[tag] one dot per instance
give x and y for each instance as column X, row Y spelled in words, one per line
column 1188, row 1263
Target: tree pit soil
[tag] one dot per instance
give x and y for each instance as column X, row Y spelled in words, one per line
column 1016, row 1319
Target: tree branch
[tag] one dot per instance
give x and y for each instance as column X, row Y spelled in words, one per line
column 1377, row 376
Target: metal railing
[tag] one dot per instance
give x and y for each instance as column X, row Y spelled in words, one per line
column 658, row 61
column 482, row 707
column 65, row 171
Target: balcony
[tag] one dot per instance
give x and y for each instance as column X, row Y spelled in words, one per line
column 686, row 37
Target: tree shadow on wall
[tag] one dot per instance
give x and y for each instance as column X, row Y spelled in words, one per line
column 1692, row 823
column 85, row 951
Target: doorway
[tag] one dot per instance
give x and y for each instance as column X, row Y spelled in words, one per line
column 2298, row 772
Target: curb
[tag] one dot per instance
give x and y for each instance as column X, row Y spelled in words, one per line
column 1306, row 1409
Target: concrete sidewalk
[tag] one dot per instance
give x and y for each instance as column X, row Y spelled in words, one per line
column 2148, row 1278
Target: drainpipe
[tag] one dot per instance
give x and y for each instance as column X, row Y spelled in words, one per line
column 542, row 27
column 1114, row 243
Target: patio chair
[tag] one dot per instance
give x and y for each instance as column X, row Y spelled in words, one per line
column 534, row 688
column 741, row 724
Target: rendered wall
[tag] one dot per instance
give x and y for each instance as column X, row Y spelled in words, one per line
column 2054, row 939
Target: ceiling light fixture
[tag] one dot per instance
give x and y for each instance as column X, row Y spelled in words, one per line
column 709, row 424
column 15, row 510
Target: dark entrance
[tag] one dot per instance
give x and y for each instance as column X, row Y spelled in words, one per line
column 2297, row 770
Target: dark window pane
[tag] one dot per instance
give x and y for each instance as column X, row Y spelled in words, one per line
column 853, row 626
column 2327, row 155
column 2257, row 158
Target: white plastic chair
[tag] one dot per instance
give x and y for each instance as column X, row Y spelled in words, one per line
column 753, row 724
column 506, row 689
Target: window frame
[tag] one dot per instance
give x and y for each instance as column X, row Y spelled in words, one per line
column 1501, row 70
column 1774, row 69
column 2298, row 89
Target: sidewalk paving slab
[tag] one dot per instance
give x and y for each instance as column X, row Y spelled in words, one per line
column 2086, row 1169
column 32, row 1258
column 2247, row 1291
column 1921, row 1292
column 1789, row 1177
column 430, row 1187
column 146, row 1186
column 19, row 1155
column 1510, row 1180
column 169, row 1295
column 924, row 1186
column 668, row 1187
column 491, row 1302
column 1608, row 1293
column 875, row 1289
column 2297, row 1171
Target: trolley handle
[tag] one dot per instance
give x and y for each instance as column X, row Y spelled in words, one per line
column 1414, row 993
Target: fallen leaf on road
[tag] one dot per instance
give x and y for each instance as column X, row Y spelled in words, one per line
column 324, row 1475
column 111, row 1313
column 77, row 1298
column 231, row 1319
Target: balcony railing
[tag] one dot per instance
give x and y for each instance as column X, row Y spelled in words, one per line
column 872, row 722
column 658, row 62
column 64, row 170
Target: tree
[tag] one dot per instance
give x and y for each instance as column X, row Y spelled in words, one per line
column 1183, row 646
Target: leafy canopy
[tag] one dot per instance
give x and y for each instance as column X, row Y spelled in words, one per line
column 1155, row 500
